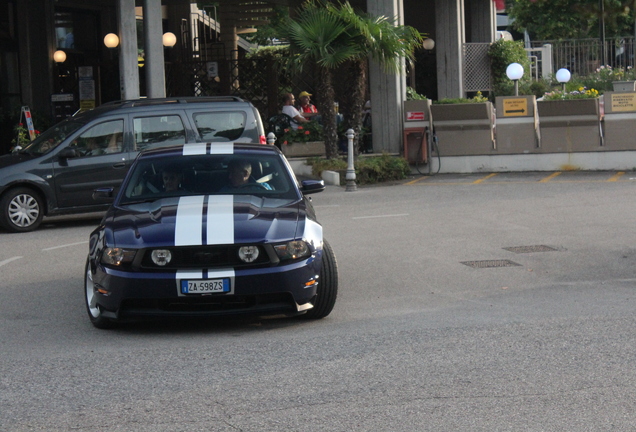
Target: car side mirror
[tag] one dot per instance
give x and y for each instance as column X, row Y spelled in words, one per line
column 312, row 186
column 67, row 153
column 103, row 193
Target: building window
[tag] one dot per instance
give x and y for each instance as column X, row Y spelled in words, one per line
column 64, row 30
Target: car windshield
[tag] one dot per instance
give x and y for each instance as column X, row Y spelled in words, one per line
column 51, row 138
column 261, row 175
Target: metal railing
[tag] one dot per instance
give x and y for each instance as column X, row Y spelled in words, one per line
column 585, row 56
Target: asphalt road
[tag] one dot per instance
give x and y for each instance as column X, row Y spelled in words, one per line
column 438, row 327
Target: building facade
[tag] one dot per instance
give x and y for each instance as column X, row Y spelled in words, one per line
column 31, row 31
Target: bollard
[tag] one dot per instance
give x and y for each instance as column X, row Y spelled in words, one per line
column 351, row 172
column 271, row 138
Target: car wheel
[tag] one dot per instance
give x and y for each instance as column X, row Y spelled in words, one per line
column 328, row 285
column 21, row 210
column 93, row 309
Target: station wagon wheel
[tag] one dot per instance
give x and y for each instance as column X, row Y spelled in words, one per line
column 327, row 285
column 93, row 309
column 21, row 210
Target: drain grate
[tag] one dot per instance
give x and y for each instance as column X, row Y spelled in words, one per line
column 490, row 263
column 530, row 249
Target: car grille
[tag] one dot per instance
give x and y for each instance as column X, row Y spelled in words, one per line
column 204, row 257
column 278, row 302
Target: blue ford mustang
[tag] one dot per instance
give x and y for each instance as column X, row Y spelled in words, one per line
column 207, row 230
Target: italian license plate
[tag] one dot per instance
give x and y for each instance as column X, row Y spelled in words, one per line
column 205, row 286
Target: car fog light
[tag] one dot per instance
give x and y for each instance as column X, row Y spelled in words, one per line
column 248, row 254
column 161, row 257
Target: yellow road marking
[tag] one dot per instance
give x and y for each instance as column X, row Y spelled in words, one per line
column 417, row 180
column 485, row 178
column 616, row 176
column 550, row 177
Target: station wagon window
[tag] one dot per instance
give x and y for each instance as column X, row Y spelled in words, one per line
column 220, row 126
column 103, row 138
column 158, row 131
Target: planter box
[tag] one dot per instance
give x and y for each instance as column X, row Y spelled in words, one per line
column 570, row 125
column 464, row 129
column 311, row 148
column 517, row 128
column 619, row 120
column 624, row 86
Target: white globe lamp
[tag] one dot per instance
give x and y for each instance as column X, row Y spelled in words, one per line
column 169, row 39
column 514, row 71
column 563, row 76
column 111, row 40
column 59, row 56
column 428, row 44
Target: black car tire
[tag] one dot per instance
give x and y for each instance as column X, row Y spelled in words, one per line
column 21, row 210
column 328, row 285
column 94, row 311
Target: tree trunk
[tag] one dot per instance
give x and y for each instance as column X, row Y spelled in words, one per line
column 327, row 111
column 357, row 75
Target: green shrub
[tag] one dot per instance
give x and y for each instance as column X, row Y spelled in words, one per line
column 502, row 53
column 369, row 170
column 475, row 99
column 411, row 94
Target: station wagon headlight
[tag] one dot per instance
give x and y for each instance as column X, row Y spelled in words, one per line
column 248, row 254
column 118, row 256
column 161, row 257
column 292, row 250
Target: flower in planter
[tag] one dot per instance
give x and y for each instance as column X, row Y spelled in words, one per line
column 311, row 131
column 581, row 93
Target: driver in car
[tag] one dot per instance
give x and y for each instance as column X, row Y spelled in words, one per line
column 240, row 176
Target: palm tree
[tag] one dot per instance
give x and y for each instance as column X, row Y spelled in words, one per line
column 377, row 38
column 317, row 36
column 330, row 35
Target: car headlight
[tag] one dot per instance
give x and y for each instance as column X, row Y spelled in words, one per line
column 292, row 250
column 118, row 256
column 248, row 254
column 161, row 257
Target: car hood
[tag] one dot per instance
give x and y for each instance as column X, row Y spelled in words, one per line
column 205, row 220
column 13, row 159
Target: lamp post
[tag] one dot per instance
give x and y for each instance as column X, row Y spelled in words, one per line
column 563, row 76
column 59, row 57
column 514, row 71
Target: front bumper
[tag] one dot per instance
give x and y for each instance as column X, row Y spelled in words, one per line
column 283, row 289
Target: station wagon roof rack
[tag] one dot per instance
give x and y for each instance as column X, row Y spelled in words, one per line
column 164, row 101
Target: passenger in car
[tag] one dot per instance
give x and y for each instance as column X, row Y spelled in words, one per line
column 240, row 175
column 172, row 179
column 115, row 143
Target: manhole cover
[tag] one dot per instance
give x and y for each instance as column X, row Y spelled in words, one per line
column 530, row 249
column 490, row 263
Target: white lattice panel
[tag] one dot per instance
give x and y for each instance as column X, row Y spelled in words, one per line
column 476, row 67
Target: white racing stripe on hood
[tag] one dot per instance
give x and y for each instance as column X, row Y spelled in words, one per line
column 205, row 274
column 220, row 220
column 189, row 221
